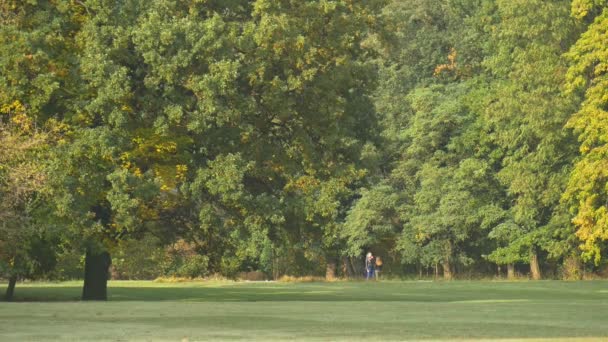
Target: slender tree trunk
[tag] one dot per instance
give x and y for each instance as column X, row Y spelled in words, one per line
column 96, row 270
column 275, row 265
column 356, row 269
column 447, row 270
column 330, row 269
column 10, row 290
column 510, row 271
column 534, row 267
column 499, row 271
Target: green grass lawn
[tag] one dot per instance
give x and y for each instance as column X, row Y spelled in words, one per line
column 459, row 310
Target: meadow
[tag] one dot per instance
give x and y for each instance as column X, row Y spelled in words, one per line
column 336, row 311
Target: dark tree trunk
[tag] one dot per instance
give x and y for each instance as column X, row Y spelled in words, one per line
column 330, row 269
column 10, row 290
column 534, row 267
column 510, row 271
column 96, row 271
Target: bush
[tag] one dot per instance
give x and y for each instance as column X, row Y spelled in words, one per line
column 138, row 259
column 572, row 268
column 70, row 266
column 306, row 279
column 251, row 276
column 183, row 260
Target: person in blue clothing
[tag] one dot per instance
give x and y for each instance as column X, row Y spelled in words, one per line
column 369, row 266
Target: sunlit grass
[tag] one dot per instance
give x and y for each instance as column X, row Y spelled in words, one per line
column 226, row 310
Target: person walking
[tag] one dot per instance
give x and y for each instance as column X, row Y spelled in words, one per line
column 369, row 266
column 378, row 267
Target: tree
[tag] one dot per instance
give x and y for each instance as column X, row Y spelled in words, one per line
column 525, row 116
column 423, row 114
column 208, row 117
column 586, row 192
column 23, row 184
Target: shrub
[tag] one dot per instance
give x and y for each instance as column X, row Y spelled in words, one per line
column 183, row 260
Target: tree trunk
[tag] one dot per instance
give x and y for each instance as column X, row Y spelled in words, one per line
column 357, row 270
column 96, row 271
column 447, row 269
column 10, row 290
column 330, row 269
column 446, row 264
column 275, row 266
column 348, row 269
column 534, row 268
column 510, row 271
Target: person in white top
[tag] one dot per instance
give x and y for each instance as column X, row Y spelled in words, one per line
column 369, row 266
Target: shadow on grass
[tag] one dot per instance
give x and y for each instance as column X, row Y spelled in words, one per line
column 330, row 292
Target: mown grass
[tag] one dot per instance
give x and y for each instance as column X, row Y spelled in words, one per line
column 460, row 310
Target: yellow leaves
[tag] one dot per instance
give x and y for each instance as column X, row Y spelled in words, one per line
column 580, row 8
column 450, row 66
column 591, row 220
column 154, row 143
column 300, row 42
column 18, row 116
column 166, row 147
column 244, row 137
column 23, row 122
column 341, row 60
column 303, row 183
column 592, row 224
column 588, row 186
column 126, row 163
column 181, row 171
column 159, row 156
column 15, row 106
column 170, row 176
column 147, row 212
column 294, row 83
column 421, row 237
column 58, row 131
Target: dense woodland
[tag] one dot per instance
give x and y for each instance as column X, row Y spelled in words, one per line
column 454, row 138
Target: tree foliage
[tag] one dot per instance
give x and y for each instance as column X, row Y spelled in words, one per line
column 286, row 136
